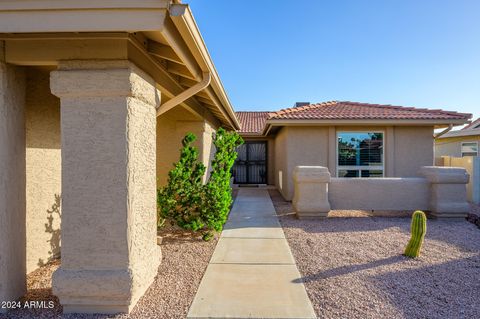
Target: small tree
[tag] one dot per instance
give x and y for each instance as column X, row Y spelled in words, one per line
column 186, row 200
column 181, row 198
column 218, row 193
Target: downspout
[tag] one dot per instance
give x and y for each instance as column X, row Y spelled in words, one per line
column 185, row 95
column 448, row 129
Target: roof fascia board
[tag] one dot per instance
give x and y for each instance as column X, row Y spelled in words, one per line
column 438, row 124
column 364, row 122
column 183, row 19
column 27, row 16
column 15, row 5
column 461, row 133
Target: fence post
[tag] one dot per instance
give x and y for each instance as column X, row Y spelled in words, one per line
column 310, row 199
column 448, row 190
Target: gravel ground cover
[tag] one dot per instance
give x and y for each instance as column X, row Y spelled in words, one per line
column 352, row 265
column 185, row 259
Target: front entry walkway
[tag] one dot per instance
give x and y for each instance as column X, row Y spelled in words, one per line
column 252, row 273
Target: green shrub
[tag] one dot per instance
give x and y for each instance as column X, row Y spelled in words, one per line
column 186, row 200
column 418, row 229
column 218, row 193
column 181, row 199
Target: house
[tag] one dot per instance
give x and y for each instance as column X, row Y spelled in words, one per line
column 459, row 143
column 351, row 139
column 95, row 98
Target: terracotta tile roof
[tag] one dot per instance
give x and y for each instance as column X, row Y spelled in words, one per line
column 344, row 110
column 475, row 124
column 252, row 122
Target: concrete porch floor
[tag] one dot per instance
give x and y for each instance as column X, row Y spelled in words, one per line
column 252, row 273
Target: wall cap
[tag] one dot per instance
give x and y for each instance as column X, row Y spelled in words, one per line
column 311, row 174
column 445, row 175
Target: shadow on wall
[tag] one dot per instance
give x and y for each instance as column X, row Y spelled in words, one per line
column 54, row 213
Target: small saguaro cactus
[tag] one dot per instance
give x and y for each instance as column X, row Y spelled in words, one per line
column 418, row 229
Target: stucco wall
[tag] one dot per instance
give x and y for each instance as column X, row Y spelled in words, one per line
column 43, row 165
column 452, row 146
column 414, row 146
column 12, row 182
column 281, row 160
column 379, row 193
column 171, row 129
column 406, row 150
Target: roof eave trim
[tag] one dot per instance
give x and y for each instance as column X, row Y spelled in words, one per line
column 282, row 122
column 183, row 19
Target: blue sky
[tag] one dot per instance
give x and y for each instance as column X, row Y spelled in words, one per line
column 271, row 54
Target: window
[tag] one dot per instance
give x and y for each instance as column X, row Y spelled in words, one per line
column 469, row 149
column 360, row 154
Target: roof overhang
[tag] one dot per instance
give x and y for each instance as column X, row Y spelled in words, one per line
column 461, row 133
column 275, row 124
column 162, row 36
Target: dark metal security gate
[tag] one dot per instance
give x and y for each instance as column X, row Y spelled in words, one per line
column 251, row 164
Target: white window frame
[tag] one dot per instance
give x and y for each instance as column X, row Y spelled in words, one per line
column 461, row 147
column 363, row 167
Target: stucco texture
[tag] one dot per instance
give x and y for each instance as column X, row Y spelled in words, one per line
column 43, row 169
column 317, row 146
column 12, row 183
column 452, row 146
column 109, row 251
column 172, row 127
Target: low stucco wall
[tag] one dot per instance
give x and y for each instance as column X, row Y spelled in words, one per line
column 317, row 146
column 369, row 193
column 441, row 191
column 43, row 167
column 171, row 129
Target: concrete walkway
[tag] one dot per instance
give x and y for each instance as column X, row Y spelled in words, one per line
column 252, row 271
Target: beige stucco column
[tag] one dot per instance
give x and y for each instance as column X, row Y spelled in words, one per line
column 12, row 182
column 310, row 199
column 109, row 251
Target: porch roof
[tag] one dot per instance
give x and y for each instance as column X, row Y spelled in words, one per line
column 162, row 35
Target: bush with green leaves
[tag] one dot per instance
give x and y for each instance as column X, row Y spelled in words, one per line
column 186, row 200
column 181, row 199
column 218, row 193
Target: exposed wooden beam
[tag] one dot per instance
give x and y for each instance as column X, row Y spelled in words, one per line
column 203, row 94
column 187, row 82
column 206, row 101
column 181, row 49
column 163, row 52
column 179, row 69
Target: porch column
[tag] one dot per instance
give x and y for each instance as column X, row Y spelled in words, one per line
column 12, row 183
column 109, row 251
